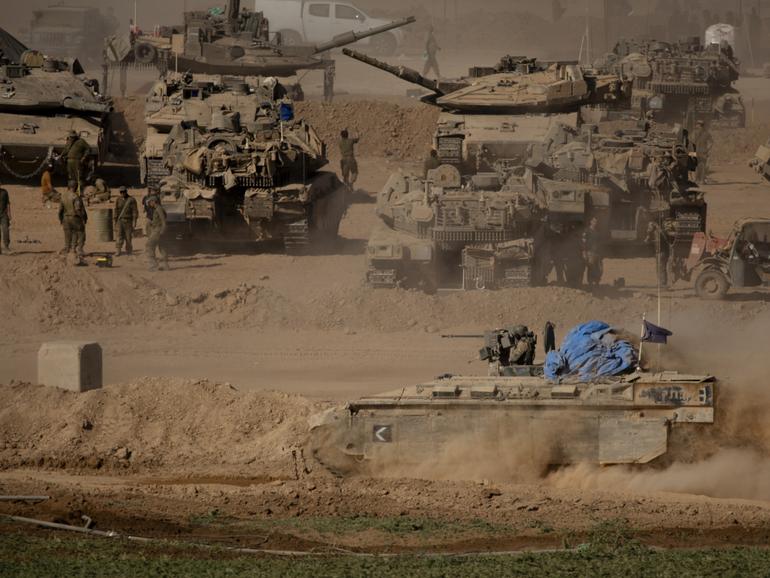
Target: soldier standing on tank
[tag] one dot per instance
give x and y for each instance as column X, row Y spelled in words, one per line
column 702, row 141
column 348, row 164
column 76, row 153
column 592, row 253
column 5, row 220
column 125, row 217
column 431, row 162
column 155, row 229
column 73, row 218
column 431, row 49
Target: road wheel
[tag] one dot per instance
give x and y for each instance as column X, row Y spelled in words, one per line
column 145, row 53
column 384, row 44
column 290, row 38
column 711, row 284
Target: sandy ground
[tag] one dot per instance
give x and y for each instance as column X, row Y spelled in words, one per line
column 307, row 325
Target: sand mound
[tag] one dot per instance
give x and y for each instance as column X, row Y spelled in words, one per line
column 153, row 423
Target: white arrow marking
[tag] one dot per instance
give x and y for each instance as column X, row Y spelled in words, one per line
column 378, row 433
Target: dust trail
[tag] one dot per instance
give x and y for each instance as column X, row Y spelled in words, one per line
column 730, row 459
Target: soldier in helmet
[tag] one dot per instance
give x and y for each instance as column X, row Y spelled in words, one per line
column 73, row 219
column 5, row 220
column 125, row 216
column 702, row 141
column 155, row 230
column 348, row 164
column 592, row 253
column 76, row 152
column 523, row 352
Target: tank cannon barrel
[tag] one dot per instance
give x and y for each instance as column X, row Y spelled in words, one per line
column 402, row 72
column 82, row 105
column 454, row 336
column 350, row 37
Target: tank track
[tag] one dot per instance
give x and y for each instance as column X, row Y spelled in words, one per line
column 296, row 239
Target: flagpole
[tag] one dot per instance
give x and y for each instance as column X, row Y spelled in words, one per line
column 641, row 343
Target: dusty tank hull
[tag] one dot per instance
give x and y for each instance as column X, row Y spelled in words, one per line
column 300, row 216
column 627, row 420
column 41, row 101
column 29, row 142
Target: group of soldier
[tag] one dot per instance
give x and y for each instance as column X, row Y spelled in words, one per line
column 73, row 214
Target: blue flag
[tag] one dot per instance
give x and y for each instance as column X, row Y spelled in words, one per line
column 655, row 334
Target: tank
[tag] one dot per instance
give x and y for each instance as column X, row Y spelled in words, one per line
column 235, row 42
column 612, row 174
column 681, row 82
column 41, row 101
column 516, row 85
column 515, row 417
column 248, row 171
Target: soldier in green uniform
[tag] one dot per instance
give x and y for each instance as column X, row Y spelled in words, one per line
column 592, row 253
column 126, row 214
column 156, row 229
column 348, row 164
column 76, row 152
column 5, row 220
column 73, row 218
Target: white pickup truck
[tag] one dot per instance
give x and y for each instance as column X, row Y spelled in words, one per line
column 316, row 21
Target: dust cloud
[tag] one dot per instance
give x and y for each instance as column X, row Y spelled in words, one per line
column 730, row 459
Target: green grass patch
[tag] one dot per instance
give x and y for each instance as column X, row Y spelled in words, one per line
column 610, row 551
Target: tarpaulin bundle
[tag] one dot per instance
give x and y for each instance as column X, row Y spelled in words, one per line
column 590, row 351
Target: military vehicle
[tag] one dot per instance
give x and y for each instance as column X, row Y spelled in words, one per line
column 741, row 260
column 630, row 416
column 249, row 172
column 63, row 31
column 41, row 101
column 680, row 82
column 237, row 42
column 516, row 85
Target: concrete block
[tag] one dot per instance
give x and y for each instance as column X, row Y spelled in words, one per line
column 72, row 365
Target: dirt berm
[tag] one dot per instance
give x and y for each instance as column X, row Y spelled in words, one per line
column 153, row 423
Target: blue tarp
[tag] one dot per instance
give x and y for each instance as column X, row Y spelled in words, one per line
column 590, row 351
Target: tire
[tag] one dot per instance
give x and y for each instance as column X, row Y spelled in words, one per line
column 145, row 53
column 712, row 284
column 290, row 38
column 384, row 44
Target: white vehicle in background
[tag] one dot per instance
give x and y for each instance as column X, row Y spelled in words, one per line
column 316, row 21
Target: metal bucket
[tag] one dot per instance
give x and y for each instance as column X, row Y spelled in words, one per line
column 101, row 224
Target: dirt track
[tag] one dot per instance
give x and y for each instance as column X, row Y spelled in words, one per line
column 163, row 448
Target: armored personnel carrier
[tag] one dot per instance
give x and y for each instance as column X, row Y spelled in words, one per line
column 249, row 172
column 237, row 42
column 41, row 101
column 761, row 161
column 681, row 82
column 623, row 416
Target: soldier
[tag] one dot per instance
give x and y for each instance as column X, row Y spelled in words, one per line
column 523, row 353
column 5, row 220
column 99, row 192
column 47, row 191
column 431, row 49
column 702, row 141
column 665, row 257
column 592, row 253
column 156, row 228
column 76, row 152
column 73, row 218
column 431, row 162
column 348, row 164
column 126, row 215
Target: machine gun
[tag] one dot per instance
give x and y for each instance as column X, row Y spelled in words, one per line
column 499, row 343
